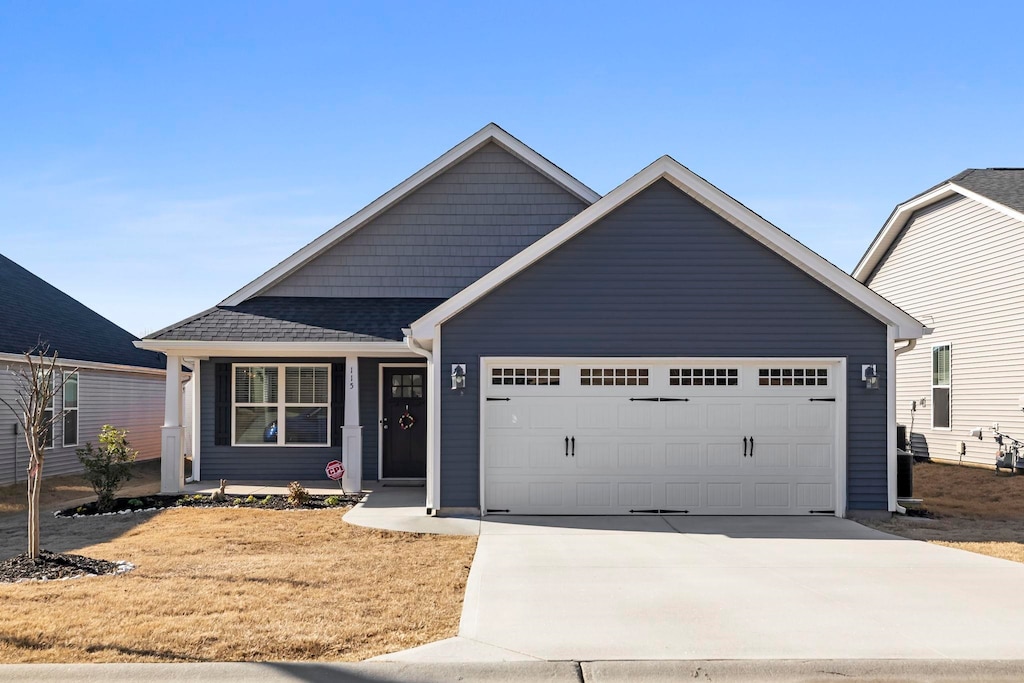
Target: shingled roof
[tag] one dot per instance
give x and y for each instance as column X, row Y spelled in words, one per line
column 280, row 318
column 1003, row 185
column 34, row 311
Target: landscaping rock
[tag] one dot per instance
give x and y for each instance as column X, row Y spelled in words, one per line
column 57, row 566
column 123, row 506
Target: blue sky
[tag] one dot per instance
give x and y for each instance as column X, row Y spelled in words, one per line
column 155, row 157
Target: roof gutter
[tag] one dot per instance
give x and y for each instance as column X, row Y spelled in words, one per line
column 194, row 349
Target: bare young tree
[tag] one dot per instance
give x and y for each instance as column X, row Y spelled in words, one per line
column 36, row 383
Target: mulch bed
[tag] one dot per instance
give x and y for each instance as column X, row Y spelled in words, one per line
column 124, row 506
column 57, row 566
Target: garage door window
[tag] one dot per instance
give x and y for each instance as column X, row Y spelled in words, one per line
column 792, row 377
column 614, row 377
column 703, row 377
column 525, row 377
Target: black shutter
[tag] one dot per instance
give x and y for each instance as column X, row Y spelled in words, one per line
column 337, row 402
column 222, row 404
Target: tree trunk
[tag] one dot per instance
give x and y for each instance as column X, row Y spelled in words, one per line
column 34, row 483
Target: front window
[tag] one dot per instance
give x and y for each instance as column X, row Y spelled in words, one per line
column 71, row 410
column 941, row 383
column 266, row 416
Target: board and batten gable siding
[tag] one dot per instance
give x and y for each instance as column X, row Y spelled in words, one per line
column 958, row 267
column 664, row 276
column 442, row 237
column 126, row 400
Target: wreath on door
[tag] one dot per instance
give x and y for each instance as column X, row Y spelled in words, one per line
column 406, row 421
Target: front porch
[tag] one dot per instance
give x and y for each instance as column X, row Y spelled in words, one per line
column 369, row 410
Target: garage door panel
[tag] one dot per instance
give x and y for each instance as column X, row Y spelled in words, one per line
column 724, row 417
column 810, row 496
column 683, row 456
column 635, row 494
column 774, row 495
column 639, row 415
column 771, row 455
column 686, row 417
column 724, row 496
column 682, row 495
column 724, row 455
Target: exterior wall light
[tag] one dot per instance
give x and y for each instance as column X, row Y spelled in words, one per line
column 458, row 376
column 869, row 373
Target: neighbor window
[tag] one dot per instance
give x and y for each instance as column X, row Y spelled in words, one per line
column 266, row 416
column 941, row 376
column 71, row 410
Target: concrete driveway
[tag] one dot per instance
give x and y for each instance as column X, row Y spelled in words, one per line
column 734, row 588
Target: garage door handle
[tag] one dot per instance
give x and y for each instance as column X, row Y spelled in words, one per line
column 574, row 446
column 744, row 447
column 751, row 447
column 567, row 447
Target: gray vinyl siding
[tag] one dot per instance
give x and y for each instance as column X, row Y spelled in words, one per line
column 239, row 463
column 442, row 237
column 958, row 267
column 126, row 400
column 664, row 276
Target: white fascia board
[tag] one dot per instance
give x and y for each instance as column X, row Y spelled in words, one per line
column 887, row 235
column 207, row 349
column 712, row 198
column 87, row 365
column 489, row 133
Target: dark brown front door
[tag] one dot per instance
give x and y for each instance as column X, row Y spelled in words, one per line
column 404, row 422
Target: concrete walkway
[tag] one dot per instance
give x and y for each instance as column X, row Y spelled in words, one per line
column 674, row 588
column 403, row 508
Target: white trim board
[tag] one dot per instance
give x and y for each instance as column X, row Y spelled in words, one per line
column 380, row 414
column 893, row 227
column 489, row 133
column 714, row 199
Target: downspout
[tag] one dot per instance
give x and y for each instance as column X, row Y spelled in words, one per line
column 892, row 375
column 416, row 348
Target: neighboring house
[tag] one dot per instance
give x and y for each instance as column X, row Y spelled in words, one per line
column 495, row 329
column 953, row 257
column 115, row 383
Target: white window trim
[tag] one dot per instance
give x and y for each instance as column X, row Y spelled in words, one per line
column 933, row 386
column 281, row 405
column 67, row 411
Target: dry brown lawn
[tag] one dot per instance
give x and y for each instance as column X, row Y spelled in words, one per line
column 57, row 491
column 974, row 509
column 231, row 585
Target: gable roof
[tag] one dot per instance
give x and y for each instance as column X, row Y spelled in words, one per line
column 34, row 311
column 489, row 133
column 301, row 319
column 715, row 200
column 998, row 188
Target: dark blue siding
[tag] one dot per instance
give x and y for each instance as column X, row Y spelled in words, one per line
column 664, row 276
column 278, row 463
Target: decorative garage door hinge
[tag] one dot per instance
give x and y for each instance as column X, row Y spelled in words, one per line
column 660, row 511
column 830, row 400
column 493, row 510
column 491, row 398
column 659, row 399
column 821, row 512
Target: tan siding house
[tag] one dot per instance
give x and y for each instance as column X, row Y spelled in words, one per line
column 954, row 259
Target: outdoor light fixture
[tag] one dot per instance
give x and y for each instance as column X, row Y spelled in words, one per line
column 869, row 373
column 458, row 376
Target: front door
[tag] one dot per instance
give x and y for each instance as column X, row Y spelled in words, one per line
column 404, row 423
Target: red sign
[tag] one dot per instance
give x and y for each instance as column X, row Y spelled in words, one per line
column 335, row 470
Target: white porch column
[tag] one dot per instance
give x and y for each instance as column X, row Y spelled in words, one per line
column 171, row 455
column 351, row 430
column 196, row 419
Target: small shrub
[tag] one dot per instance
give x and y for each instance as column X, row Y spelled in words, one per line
column 108, row 467
column 267, row 500
column 250, row 500
column 333, row 501
column 135, row 503
column 80, row 509
column 297, row 494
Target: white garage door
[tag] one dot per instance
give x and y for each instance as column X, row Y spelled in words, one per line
column 688, row 437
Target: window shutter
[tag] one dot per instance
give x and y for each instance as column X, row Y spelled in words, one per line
column 337, row 401
column 222, row 404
